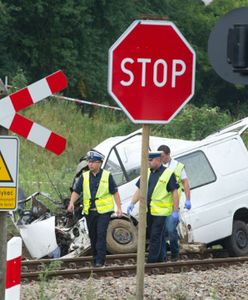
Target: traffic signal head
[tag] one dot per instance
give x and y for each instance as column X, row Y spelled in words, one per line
column 237, row 48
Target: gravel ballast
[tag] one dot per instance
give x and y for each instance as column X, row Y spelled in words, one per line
column 224, row 283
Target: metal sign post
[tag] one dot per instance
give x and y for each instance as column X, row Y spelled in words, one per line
column 142, row 214
column 151, row 76
column 3, row 224
column 9, row 157
column 3, row 252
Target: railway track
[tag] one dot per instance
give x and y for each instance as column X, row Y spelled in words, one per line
column 123, row 265
column 118, row 259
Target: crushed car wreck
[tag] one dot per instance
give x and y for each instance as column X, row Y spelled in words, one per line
column 54, row 235
column 50, row 235
column 217, row 168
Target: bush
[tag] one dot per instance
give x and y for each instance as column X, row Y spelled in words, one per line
column 194, row 123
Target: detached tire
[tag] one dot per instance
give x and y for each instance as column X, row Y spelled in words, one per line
column 237, row 243
column 122, row 237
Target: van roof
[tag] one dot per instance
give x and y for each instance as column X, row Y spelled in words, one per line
column 233, row 129
column 177, row 145
column 154, row 142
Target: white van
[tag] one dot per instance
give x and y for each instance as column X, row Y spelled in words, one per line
column 217, row 168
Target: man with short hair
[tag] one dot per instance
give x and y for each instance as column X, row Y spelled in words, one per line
column 181, row 177
column 162, row 201
column 99, row 194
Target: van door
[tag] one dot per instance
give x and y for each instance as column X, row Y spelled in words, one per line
column 124, row 164
column 201, row 175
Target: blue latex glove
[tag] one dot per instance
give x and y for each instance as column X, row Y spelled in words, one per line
column 130, row 208
column 175, row 216
column 187, row 204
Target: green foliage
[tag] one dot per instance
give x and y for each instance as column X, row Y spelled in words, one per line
column 49, row 288
column 196, row 21
column 194, row 123
column 6, row 62
column 41, row 170
column 19, row 81
column 38, row 166
column 90, row 292
column 44, row 284
column 40, row 37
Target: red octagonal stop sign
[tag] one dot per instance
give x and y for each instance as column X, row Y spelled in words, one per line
column 151, row 71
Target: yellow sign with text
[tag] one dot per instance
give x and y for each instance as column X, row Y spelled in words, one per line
column 7, row 197
column 9, row 166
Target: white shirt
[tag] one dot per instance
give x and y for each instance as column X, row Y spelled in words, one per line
column 172, row 165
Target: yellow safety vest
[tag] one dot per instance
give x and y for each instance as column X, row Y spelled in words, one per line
column 177, row 171
column 161, row 201
column 104, row 200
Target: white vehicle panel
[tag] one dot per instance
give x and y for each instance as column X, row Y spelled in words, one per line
column 39, row 237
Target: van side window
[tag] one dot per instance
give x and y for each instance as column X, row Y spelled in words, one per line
column 198, row 169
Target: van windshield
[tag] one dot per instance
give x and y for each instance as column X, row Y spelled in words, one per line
column 124, row 160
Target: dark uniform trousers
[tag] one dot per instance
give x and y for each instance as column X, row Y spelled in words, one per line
column 97, row 226
column 156, row 236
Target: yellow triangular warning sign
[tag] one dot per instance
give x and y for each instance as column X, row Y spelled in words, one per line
column 4, row 171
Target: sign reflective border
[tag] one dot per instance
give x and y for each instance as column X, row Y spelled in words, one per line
column 9, row 165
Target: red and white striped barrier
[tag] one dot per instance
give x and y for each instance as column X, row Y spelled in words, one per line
column 13, row 269
column 10, row 105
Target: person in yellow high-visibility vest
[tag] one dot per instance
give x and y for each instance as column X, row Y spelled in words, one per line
column 162, row 201
column 100, row 192
column 182, row 179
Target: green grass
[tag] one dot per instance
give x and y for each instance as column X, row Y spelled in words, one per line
column 39, row 167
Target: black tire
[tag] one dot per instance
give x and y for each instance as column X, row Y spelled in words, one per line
column 122, row 237
column 237, row 243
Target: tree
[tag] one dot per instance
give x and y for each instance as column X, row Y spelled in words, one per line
column 6, row 62
column 42, row 36
column 196, row 21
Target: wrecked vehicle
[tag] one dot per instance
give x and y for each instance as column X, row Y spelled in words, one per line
column 217, row 168
column 51, row 235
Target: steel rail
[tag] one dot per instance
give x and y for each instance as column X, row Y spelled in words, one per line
column 117, row 259
column 130, row 270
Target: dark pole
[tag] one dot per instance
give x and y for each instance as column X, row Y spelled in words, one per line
column 142, row 214
column 3, row 221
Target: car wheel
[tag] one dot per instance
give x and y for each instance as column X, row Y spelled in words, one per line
column 122, row 237
column 237, row 243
